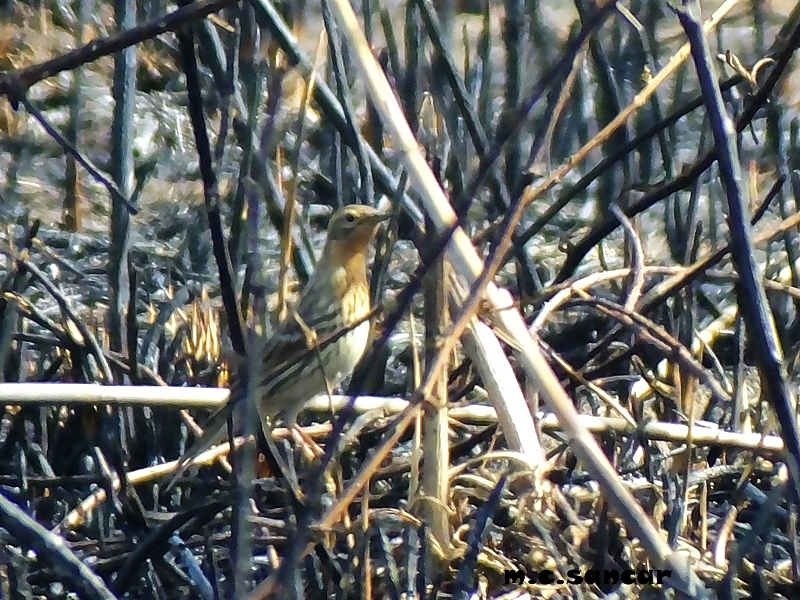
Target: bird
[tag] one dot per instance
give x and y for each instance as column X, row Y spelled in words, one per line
column 319, row 343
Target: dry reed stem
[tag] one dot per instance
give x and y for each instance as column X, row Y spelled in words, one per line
column 467, row 263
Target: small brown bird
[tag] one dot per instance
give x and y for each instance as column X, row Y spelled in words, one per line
column 322, row 339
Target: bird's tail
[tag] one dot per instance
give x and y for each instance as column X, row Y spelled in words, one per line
column 214, row 432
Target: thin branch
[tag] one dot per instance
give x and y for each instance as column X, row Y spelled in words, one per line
column 19, row 80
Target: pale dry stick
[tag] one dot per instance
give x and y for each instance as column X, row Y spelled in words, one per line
column 291, row 197
column 396, row 515
column 511, row 406
column 656, row 430
column 668, row 432
column 767, row 445
column 720, row 551
column 475, row 482
column 641, row 389
column 393, row 406
column 563, row 98
column 189, row 421
column 416, row 442
column 282, row 308
column 197, row 431
column 365, row 525
column 703, row 503
column 59, row 393
column 787, row 289
column 467, row 263
column 785, row 274
column 713, row 330
column 215, row 453
column 637, row 259
column 162, row 396
column 435, row 422
column 89, row 393
column 77, row 516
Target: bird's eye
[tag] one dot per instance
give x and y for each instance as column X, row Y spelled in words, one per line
column 349, row 218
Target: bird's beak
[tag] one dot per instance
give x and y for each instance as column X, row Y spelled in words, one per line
column 380, row 218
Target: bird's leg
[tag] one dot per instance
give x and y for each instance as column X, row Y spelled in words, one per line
column 310, row 448
column 310, row 334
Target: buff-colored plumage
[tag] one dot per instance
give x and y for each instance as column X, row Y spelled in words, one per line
column 322, row 339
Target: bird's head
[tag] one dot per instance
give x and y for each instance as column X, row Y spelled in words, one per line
column 352, row 228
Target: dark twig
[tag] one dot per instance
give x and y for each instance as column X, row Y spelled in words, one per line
column 617, row 155
column 753, row 300
column 210, row 191
column 72, row 151
column 338, row 67
column 246, row 113
column 661, row 293
column 477, row 134
column 71, row 216
column 578, row 251
column 658, row 337
column 514, row 122
column 465, row 577
column 122, row 166
column 52, row 549
column 19, row 80
column 157, row 540
column 88, row 339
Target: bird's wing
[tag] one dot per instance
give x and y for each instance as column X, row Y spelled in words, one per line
column 311, row 326
column 282, row 354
